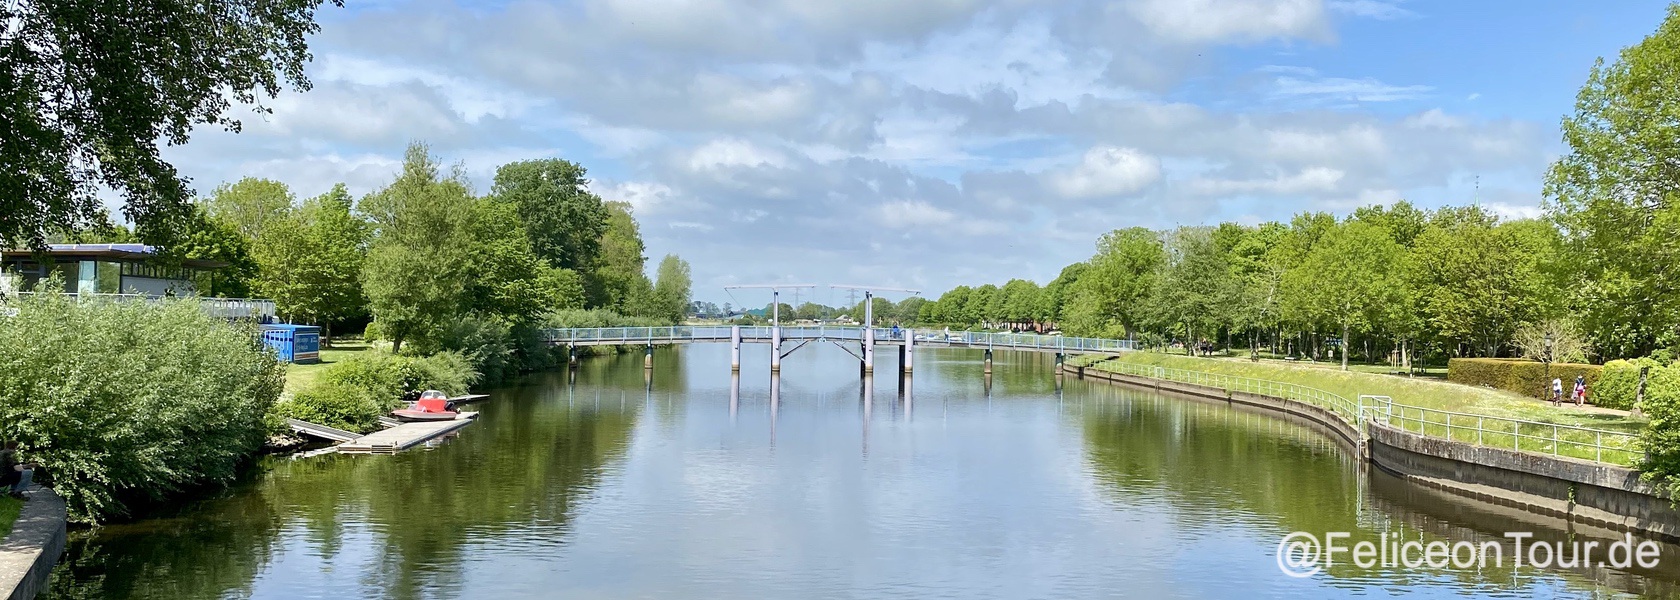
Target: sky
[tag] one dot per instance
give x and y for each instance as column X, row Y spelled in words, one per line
column 931, row 143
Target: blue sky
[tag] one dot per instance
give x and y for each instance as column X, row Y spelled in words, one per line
column 942, row 142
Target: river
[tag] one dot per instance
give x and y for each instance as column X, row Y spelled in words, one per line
column 682, row 482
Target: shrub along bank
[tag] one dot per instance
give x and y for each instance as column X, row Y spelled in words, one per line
column 1526, row 377
column 351, row 395
column 128, row 403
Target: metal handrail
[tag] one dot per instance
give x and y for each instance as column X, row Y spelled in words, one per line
column 220, row 307
column 975, row 339
column 1523, row 435
column 1480, row 430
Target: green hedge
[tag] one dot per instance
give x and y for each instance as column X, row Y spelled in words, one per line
column 1618, row 385
column 1525, row 377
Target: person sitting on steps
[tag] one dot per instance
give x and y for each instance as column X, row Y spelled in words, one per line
column 14, row 474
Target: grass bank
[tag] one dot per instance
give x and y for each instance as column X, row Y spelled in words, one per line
column 10, row 508
column 1416, row 391
column 299, row 377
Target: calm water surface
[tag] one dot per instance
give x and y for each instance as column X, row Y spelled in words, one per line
column 691, row 484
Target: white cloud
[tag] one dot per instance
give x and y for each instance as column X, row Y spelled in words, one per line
column 1107, row 171
column 911, row 213
column 1370, row 9
column 724, row 154
column 1207, row 21
column 1312, row 180
column 1305, row 85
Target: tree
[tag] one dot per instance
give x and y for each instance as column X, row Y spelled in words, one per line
column 418, row 263
column 1108, row 298
column 1617, row 199
column 1475, row 280
column 675, row 285
column 981, row 304
column 92, row 89
column 563, row 220
column 1348, row 278
column 1195, row 285
column 620, row 270
column 250, row 204
column 311, row 261
column 205, row 238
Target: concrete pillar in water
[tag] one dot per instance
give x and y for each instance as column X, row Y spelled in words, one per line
column 868, row 349
column 776, row 349
column 571, row 356
column 734, row 395
column 1060, row 360
column 988, row 361
column 735, row 348
column 909, row 357
column 647, row 359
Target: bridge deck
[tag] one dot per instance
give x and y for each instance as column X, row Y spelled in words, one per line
column 617, row 336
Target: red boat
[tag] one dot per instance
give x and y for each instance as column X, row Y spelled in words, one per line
column 433, row 405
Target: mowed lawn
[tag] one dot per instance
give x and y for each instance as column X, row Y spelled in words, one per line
column 1427, row 392
column 299, row 377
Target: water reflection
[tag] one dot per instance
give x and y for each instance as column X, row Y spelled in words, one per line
column 754, row 485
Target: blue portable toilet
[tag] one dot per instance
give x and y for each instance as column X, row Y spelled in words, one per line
column 294, row 343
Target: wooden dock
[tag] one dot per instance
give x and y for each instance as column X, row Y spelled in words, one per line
column 405, row 436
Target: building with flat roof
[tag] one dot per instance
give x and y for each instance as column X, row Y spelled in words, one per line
column 120, row 271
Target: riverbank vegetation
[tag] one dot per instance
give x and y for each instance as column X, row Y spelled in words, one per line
column 125, row 404
column 1423, row 392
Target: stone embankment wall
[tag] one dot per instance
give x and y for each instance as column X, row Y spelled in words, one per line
column 1580, row 491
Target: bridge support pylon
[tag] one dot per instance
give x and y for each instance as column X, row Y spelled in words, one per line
column 1061, row 359
column 647, row 359
column 571, row 356
column 735, row 349
column 868, row 349
column 988, row 361
column 907, row 352
column 776, row 349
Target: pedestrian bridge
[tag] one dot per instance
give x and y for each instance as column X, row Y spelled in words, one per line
column 906, row 340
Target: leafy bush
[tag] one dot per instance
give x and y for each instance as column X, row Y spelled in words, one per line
column 1522, row 376
column 1661, row 437
column 335, row 404
column 389, row 377
column 487, row 343
column 124, row 403
column 1618, row 384
column 350, row 395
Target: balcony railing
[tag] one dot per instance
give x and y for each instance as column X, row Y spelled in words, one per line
column 227, row 308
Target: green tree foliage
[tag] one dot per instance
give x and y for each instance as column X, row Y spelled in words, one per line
column 250, row 204
column 90, row 93
column 1475, row 281
column 562, row 219
column 1196, row 286
column 310, row 261
column 674, row 288
column 1348, row 279
column 1615, row 196
column 620, row 273
column 1109, row 297
column 205, row 238
column 127, row 403
column 420, row 259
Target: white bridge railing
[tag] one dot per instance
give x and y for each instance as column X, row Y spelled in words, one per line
column 883, row 335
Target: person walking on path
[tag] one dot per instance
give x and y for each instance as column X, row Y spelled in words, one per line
column 1557, row 391
column 1580, row 390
